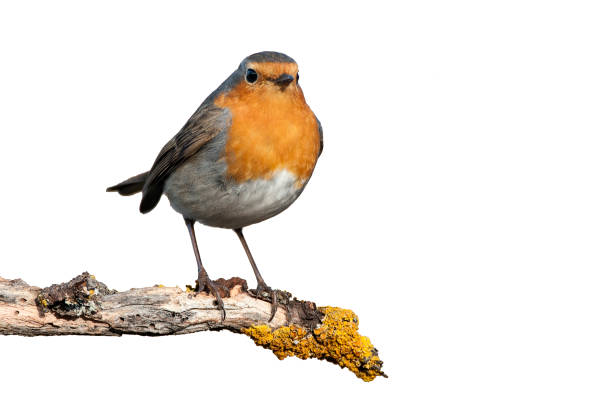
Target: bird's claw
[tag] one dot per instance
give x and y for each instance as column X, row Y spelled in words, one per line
column 265, row 292
column 207, row 285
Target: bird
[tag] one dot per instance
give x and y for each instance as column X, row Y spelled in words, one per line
column 244, row 156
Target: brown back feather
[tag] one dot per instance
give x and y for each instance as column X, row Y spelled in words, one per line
column 206, row 123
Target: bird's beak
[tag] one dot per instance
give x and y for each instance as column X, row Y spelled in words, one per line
column 283, row 80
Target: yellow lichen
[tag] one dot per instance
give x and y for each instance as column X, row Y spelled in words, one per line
column 336, row 340
column 189, row 288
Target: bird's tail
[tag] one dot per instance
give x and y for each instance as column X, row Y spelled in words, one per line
column 130, row 186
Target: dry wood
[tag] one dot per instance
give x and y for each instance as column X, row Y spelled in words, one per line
column 85, row 306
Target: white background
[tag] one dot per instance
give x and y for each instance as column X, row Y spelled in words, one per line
column 462, row 205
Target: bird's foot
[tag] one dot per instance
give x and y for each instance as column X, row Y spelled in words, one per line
column 204, row 284
column 268, row 294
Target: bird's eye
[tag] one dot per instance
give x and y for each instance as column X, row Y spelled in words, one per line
column 251, row 76
column 297, row 77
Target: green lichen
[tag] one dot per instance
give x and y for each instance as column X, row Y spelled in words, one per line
column 336, row 340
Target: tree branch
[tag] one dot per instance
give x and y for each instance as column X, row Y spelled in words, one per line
column 85, row 306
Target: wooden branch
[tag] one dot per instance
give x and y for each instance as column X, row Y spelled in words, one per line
column 85, row 306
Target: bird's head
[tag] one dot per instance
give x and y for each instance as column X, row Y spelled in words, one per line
column 269, row 72
column 265, row 81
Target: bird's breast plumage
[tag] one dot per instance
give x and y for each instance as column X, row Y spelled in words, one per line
column 270, row 131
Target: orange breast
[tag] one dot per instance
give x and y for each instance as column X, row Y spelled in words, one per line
column 271, row 130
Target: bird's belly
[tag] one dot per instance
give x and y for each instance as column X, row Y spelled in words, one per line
column 210, row 200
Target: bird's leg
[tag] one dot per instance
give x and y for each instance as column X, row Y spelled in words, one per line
column 262, row 288
column 203, row 279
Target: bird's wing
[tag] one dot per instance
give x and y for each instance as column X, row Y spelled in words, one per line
column 205, row 124
column 320, row 136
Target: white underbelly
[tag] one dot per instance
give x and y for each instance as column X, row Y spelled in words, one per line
column 208, row 200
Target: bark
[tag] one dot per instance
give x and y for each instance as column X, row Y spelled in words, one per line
column 85, row 306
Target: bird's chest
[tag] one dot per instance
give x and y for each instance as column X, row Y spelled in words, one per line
column 269, row 134
column 197, row 190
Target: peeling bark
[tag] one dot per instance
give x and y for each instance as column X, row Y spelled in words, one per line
column 85, row 306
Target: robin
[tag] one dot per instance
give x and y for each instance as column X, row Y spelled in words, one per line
column 244, row 156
